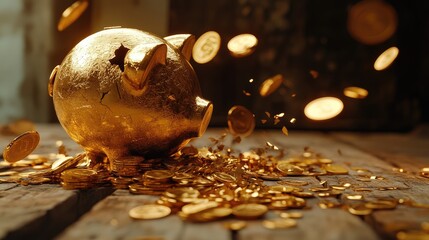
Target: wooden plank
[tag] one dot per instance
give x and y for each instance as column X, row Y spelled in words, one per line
column 109, row 220
column 41, row 212
column 402, row 150
column 316, row 224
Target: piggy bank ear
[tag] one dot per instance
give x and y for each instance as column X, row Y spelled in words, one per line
column 183, row 42
column 138, row 64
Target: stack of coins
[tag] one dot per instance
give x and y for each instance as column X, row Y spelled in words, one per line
column 157, row 180
column 127, row 166
column 121, row 182
column 79, row 178
column 176, row 198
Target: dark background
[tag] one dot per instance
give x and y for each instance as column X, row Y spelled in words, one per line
column 299, row 36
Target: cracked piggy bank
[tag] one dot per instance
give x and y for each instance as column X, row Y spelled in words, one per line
column 124, row 92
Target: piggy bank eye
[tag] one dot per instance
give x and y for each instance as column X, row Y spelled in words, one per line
column 119, row 57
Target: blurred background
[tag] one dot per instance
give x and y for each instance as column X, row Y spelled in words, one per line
column 319, row 48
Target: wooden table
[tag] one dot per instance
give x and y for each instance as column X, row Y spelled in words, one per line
column 48, row 211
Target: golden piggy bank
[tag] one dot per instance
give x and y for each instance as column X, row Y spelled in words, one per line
column 124, row 92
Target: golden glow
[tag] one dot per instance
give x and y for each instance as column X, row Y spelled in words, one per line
column 323, row 108
column 206, row 47
column 355, row 92
column 386, row 58
column 242, row 45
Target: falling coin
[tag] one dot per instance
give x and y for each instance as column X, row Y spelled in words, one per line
column 242, row 45
column 71, row 14
column 235, row 225
column 149, row 211
column 372, row 22
column 355, row 92
column 386, row 58
column 241, row 121
column 270, row 85
column 21, row 146
column 206, row 47
column 323, row 108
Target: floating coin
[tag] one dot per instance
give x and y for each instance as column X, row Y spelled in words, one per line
column 71, row 14
column 386, row 58
column 206, row 47
column 323, row 108
column 21, row 146
column 241, row 121
column 242, row 45
column 249, row 210
column 149, row 211
column 270, row 85
column 372, row 21
column 355, row 92
column 279, row 223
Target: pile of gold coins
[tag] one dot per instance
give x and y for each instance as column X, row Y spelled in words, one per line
column 211, row 183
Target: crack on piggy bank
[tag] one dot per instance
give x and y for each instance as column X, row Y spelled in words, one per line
column 119, row 57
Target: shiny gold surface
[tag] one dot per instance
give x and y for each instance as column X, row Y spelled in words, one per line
column 149, row 211
column 123, row 92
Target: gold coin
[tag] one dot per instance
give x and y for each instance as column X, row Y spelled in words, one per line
column 158, row 175
column 270, row 85
column 241, row 121
column 336, row 169
column 193, row 208
column 359, row 209
column 242, row 45
column 412, row 235
column 372, row 21
column 279, row 223
column 71, row 14
column 249, row 210
column 293, row 182
column 21, row 146
column 206, row 47
column 355, row 92
column 381, row 204
column 235, row 225
column 323, row 108
column 424, row 172
column 291, row 215
column 386, row 58
column 149, row 211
